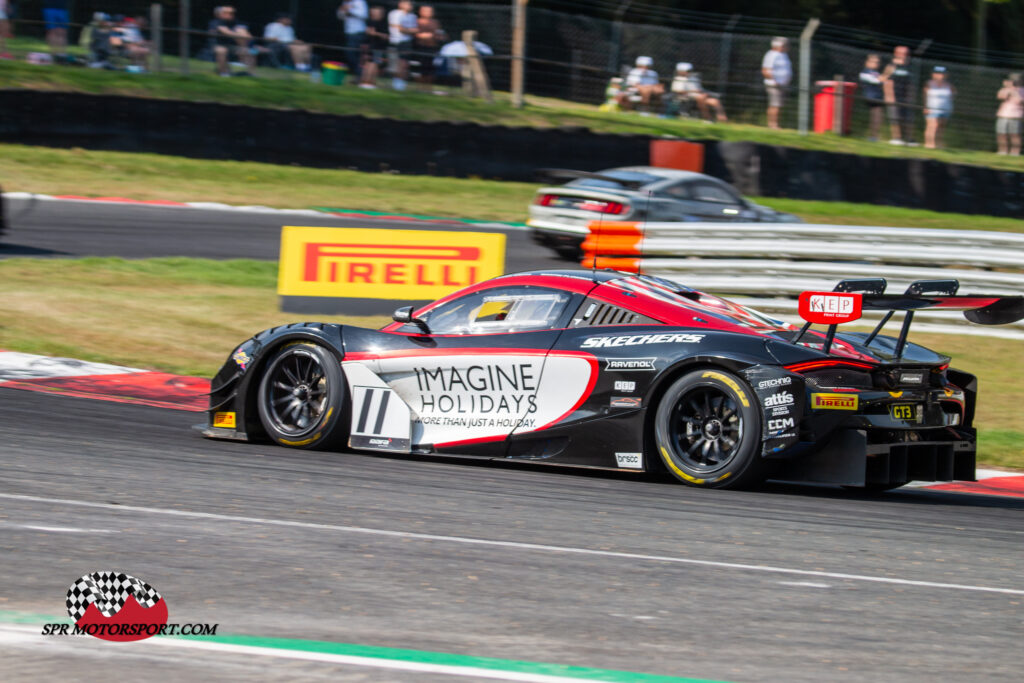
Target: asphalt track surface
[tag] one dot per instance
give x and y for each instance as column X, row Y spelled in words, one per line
column 603, row 570
column 39, row 228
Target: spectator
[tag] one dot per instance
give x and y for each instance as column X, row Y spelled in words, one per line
column 284, row 47
column 938, row 103
column 55, row 15
column 427, row 41
column 377, row 42
column 777, row 71
column 896, row 84
column 353, row 14
column 642, row 85
column 402, row 25
column 871, row 86
column 133, row 43
column 5, row 28
column 230, row 37
column 686, row 87
column 104, row 42
column 1009, row 115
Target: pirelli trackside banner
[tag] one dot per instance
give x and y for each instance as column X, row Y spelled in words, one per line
column 366, row 263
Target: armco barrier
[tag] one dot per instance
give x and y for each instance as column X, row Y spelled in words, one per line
column 774, row 262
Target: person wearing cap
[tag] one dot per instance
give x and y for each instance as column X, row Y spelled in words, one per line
column 777, row 71
column 1009, row 115
column 938, row 107
column 686, row 86
column 897, row 81
column 642, row 82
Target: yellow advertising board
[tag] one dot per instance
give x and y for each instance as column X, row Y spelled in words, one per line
column 370, row 263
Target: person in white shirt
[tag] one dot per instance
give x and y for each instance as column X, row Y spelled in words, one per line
column 402, row 25
column 281, row 41
column 353, row 14
column 641, row 84
column 777, row 71
column 687, row 86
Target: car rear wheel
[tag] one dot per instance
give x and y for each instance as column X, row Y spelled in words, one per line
column 707, row 431
column 301, row 396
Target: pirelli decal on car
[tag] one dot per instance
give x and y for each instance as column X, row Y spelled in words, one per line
column 638, row 339
column 834, row 401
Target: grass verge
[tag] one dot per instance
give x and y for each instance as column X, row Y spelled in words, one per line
column 300, row 93
column 153, row 176
column 184, row 315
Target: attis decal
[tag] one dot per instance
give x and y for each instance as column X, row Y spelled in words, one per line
column 116, row 606
column 829, row 308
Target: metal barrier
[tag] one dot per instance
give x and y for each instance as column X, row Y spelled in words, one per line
column 773, row 263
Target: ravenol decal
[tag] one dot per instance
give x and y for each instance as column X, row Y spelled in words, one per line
column 643, row 364
column 834, row 401
column 731, row 383
column 224, row 420
column 385, row 264
column 637, row 339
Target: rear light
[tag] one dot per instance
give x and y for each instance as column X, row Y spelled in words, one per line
column 544, row 199
column 601, row 207
column 807, row 366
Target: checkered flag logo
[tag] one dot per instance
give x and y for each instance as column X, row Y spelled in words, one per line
column 108, row 591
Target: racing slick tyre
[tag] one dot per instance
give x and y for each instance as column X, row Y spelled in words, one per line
column 301, row 396
column 707, row 430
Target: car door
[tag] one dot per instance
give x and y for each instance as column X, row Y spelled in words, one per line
column 475, row 373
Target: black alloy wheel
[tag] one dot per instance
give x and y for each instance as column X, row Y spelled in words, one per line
column 301, row 395
column 707, row 430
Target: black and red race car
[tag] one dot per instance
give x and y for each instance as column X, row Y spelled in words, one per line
column 620, row 371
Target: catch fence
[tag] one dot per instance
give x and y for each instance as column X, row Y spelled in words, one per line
column 572, row 56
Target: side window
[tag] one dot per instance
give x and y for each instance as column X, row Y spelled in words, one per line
column 494, row 311
column 594, row 312
column 678, row 191
column 708, row 192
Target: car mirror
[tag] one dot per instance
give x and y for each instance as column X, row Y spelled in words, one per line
column 404, row 315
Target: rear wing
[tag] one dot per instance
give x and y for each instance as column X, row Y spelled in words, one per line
column 846, row 302
column 570, row 174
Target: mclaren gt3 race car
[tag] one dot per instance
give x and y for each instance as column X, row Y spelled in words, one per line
column 626, row 372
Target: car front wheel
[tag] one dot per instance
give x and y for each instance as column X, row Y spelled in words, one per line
column 301, row 396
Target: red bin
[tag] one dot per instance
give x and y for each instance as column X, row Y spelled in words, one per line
column 824, row 105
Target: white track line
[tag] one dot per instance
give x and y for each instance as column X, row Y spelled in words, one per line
column 217, row 206
column 516, row 545
column 29, row 637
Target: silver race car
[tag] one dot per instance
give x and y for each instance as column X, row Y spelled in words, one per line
column 559, row 215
